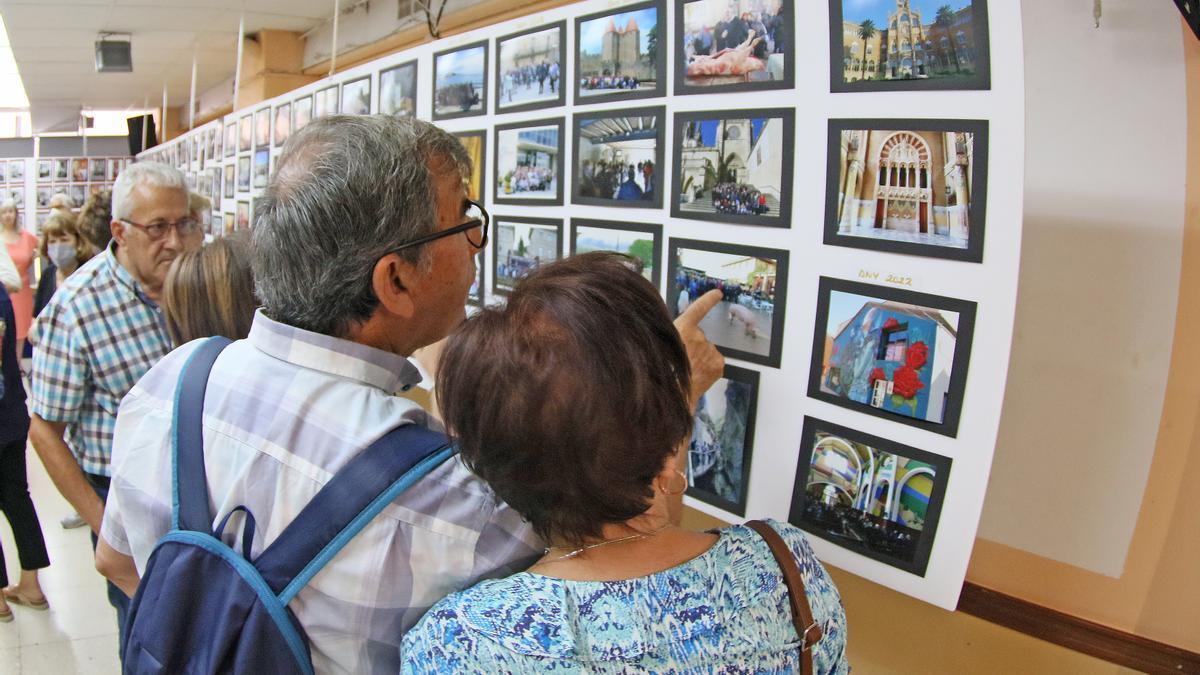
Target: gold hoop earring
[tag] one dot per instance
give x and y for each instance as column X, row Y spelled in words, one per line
column 681, row 490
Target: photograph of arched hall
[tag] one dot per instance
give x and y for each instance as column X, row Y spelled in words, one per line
column 909, row 39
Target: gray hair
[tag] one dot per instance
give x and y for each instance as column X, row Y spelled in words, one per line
column 60, row 200
column 150, row 174
column 8, row 204
column 347, row 190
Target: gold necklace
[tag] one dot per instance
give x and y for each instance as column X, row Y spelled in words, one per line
column 606, row 542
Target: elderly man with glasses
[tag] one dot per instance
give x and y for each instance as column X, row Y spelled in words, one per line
column 364, row 248
column 100, row 333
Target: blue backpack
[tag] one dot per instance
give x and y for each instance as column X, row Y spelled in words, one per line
column 203, row 607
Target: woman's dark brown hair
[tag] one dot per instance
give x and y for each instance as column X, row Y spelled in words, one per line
column 210, row 291
column 569, row 400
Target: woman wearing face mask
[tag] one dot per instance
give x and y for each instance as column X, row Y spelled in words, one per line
column 66, row 248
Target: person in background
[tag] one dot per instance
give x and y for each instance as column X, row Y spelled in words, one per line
column 95, row 219
column 21, row 245
column 61, row 202
column 210, row 291
column 10, row 278
column 102, row 331
column 201, row 209
column 14, row 489
column 589, row 444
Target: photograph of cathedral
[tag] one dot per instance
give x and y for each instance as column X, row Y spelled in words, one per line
column 868, row 494
column 522, row 245
column 733, row 169
column 723, row 440
column 460, row 82
column 398, row 90
column 892, row 353
column 733, row 45
column 908, row 186
column 889, row 45
column 618, row 54
column 530, row 67
column 618, row 158
column 529, row 163
column 636, row 240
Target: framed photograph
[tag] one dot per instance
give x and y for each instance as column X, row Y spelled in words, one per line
column 78, row 192
column 231, row 139
column 114, row 169
column 42, row 217
column 17, row 195
column 869, row 495
column 476, row 144
column 731, row 45
column 283, row 124
column 619, row 55
column 97, row 170
column 230, row 180
column 356, row 96
column 262, row 128
column 245, row 133
column 530, row 66
column 16, row 170
column 733, row 168
column 529, row 163
column 618, row 158
column 892, row 353
column 214, row 142
column 45, row 193
column 45, row 170
column 908, row 186
column 398, row 90
column 476, row 294
column 243, row 173
column 262, row 168
column 522, row 244
column 302, row 112
column 748, row 322
column 642, row 241
column 62, row 169
column 325, row 102
column 723, row 440
column 228, row 223
column 909, row 45
column 215, row 185
column 460, row 81
column 96, row 188
column 243, row 216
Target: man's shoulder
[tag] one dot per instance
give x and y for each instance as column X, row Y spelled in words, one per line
column 83, row 286
column 160, row 381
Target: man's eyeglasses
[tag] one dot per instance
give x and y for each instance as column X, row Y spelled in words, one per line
column 475, row 229
column 186, row 227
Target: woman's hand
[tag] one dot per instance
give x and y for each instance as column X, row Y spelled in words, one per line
column 707, row 363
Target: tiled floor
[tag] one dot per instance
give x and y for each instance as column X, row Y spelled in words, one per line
column 79, row 632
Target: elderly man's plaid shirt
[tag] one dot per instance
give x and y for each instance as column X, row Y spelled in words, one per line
column 94, row 340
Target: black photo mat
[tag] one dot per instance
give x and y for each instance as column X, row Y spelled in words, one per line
column 851, row 527
column 920, row 244
column 729, row 83
column 560, row 97
column 688, row 154
column 979, row 79
column 719, row 458
column 656, row 65
column 952, row 400
column 735, row 332
column 653, row 232
column 558, row 165
column 527, row 262
column 629, row 123
column 473, row 109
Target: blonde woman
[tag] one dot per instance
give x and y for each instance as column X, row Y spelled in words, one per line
column 210, row 292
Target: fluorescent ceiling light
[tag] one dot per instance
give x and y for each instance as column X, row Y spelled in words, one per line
column 12, row 90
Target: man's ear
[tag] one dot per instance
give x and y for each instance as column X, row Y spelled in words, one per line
column 117, row 229
column 392, row 282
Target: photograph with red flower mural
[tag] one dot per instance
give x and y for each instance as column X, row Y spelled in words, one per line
column 892, row 352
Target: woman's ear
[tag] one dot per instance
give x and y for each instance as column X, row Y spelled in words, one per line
column 392, row 282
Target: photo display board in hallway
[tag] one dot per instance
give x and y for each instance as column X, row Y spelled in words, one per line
column 849, row 177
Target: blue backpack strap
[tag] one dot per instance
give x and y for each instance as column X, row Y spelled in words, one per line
column 189, row 484
column 347, row 503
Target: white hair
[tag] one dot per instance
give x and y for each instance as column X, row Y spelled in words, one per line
column 150, row 174
column 61, row 201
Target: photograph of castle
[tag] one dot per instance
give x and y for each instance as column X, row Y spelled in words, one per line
column 869, row 495
column 618, row 158
column 734, row 169
column 733, row 45
column 723, row 440
column 618, row 54
column 892, row 353
column 908, row 186
column 888, row 45
column 530, row 67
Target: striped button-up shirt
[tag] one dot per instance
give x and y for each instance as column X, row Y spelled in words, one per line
column 284, row 410
column 98, row 335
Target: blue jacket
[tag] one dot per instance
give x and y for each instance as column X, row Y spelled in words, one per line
column 14, row 416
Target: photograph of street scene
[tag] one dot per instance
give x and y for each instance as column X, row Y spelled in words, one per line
column 459, row 82
column 617, row 159
column 644, row 244
column 867, row 499
column 398, row 90
column 733, row 169
column 618, row 52
column 722, row 435
column 528, row 160
column 733, row 42
column 522, row 246
column 530, row 71
column 745, row 318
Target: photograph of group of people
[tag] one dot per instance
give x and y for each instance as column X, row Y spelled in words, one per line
column 618, row 54
column 617, row 159
column 529, row 69
column 738, row 44
column 529, row 162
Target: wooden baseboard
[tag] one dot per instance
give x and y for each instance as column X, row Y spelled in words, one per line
column 1114, row 646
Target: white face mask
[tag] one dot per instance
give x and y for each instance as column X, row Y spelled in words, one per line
column 62, row 254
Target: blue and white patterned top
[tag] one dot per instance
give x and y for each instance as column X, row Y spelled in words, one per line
column 99, row 334
column 725, row 611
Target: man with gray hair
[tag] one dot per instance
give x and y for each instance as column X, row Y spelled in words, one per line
column 364, row 250
column 100, row 333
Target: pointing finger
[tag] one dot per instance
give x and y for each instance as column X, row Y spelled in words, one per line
column 696, row 311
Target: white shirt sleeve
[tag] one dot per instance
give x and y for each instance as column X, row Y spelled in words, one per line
column 9, row 276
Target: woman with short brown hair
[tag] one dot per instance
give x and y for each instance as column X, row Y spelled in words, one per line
column 574, row 402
